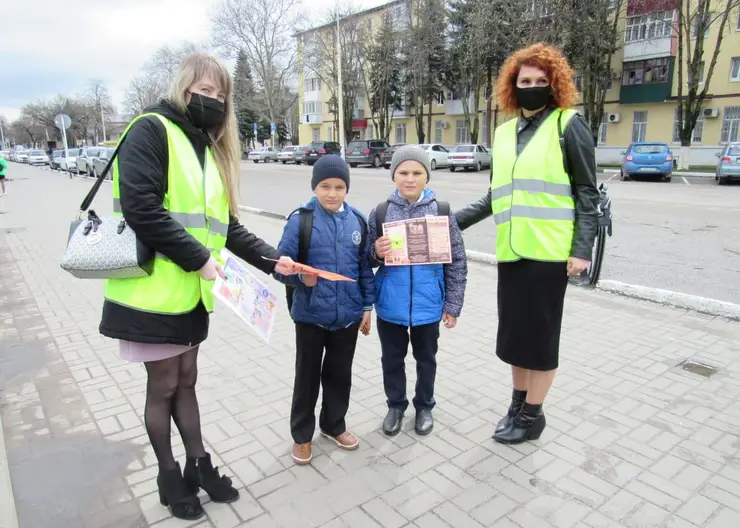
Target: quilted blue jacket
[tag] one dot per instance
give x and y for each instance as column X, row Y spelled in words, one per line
column 335, row 246
column 419, row 295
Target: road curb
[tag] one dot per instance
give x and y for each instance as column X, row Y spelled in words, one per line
column 674, row 299
column 8, row 514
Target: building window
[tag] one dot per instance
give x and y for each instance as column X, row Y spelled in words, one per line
column 735, row 70
column 330, row 136
column 315, row 134
column 730, row 124
column 639, row 126
column 698, row 128
column 438, row 132
column 645, row 72
column 699, row 22
column 312, row 84
column 486, row 131
column 646, row 27
column 462, row 135
column 400, row 133
column 311, row 107
column 603, row 129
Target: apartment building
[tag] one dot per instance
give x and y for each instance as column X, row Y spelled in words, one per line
column 641, row 102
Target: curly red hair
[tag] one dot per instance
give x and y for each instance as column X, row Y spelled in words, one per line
column 548, row 59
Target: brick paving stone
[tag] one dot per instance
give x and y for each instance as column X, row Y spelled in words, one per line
column 632, row 440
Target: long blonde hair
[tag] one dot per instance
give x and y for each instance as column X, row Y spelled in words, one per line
column 226, row 147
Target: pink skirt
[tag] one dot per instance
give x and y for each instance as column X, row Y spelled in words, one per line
column 145, row 352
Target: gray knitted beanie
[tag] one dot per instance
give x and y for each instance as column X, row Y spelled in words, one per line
column 411, row 153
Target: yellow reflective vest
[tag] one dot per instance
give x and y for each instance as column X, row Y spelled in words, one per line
column 531, row 194
column 197, row 200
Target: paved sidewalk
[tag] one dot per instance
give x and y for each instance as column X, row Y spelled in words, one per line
column 632, row 439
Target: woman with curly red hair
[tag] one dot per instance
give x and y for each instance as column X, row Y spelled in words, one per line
column 544, row 199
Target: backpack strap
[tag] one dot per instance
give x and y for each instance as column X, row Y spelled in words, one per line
column 443, row 208
column 305, row 228
column 380, row 213
column 561, row 140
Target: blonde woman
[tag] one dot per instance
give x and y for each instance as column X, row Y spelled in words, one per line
column 174, row 183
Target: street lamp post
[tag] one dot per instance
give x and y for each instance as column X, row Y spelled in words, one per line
column 340, row 98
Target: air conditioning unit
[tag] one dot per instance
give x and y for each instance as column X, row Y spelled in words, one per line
column 613, row 118
column 616, row 75
column 444, row 124
column 710, row 112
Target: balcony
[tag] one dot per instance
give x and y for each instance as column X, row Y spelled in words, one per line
column 394, row 113
column 647, row 81
column 358, row 113
column 455, row 106
column 313, row 96
column 648, row 49
column 312, row 119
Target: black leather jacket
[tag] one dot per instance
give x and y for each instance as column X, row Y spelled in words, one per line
column 581, row 161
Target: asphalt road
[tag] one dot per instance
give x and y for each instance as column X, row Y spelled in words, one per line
column 682, row 236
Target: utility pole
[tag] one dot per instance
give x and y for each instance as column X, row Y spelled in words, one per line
column 340, row 97
column 102, row 123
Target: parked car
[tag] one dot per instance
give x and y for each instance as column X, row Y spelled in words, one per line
column 37, row 157
column 56, row 155
column 388, row 156
column 286, row 155
column 319, row 149
column 469, row 157
column 101, row 161
column 647, row 159
column 366, row 152
column 69, row 163
column 5, row 154
column 86, row 158
column 438, row 155
column 728, row 166
column 264, row 154
column 299, row 156
column 22, row 156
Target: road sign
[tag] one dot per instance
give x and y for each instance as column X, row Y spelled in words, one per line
column 273, row 127
column 254, row 127
column 62, row 121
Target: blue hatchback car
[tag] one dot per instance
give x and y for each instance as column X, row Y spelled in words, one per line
column 647, row 159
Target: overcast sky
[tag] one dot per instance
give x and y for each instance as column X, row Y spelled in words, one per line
column 56, row 47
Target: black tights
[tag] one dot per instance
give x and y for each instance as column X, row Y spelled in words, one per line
column 170, row 394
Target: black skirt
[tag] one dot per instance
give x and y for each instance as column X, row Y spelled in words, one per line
column 530, row 311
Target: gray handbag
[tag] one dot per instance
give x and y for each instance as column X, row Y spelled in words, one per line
column 104, row 248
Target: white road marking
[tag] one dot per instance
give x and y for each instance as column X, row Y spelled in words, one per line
column 613, row 176
column 685, row 180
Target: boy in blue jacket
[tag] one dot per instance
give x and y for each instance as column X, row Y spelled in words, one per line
column 328, row 315
column 413, row 300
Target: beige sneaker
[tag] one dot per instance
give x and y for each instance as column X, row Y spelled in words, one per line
column 302, row 453
column 346, row 440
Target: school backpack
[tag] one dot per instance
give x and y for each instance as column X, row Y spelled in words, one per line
column 305, row 228
column 443, row 209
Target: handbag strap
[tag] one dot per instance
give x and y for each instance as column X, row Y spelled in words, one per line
column 101, row 177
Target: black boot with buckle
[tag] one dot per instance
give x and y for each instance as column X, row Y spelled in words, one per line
column 200, row 473
column 174, row 493
column 527, row 425
column 517, row 400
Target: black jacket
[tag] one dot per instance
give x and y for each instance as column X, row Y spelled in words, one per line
column 142, row 168
column 581, row 161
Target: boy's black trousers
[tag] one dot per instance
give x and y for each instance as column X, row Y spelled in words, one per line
column 394, row 343
column 332, row 371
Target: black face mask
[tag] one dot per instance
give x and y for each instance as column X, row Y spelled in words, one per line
column 206, row 112
column 533, row 98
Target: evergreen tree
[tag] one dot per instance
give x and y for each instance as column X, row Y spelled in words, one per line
column 244, row 99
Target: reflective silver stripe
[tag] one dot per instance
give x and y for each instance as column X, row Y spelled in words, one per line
column 533, row 186
column 190, row 220
column 536, row 213
column 500, row 192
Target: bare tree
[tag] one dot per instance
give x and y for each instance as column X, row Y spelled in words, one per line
column 166, row 60
column 263, row 29
column 98, row 100
column 42, row 113
column 143, row 91
column 695, row 20
column 25, row 130
column 320, row 58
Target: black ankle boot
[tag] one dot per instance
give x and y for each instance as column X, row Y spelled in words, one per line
column 517, row 400
column 174, row 493
column 200, row 473
column 527, row 425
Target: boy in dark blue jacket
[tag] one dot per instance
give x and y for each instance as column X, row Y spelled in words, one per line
column 328, row 315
